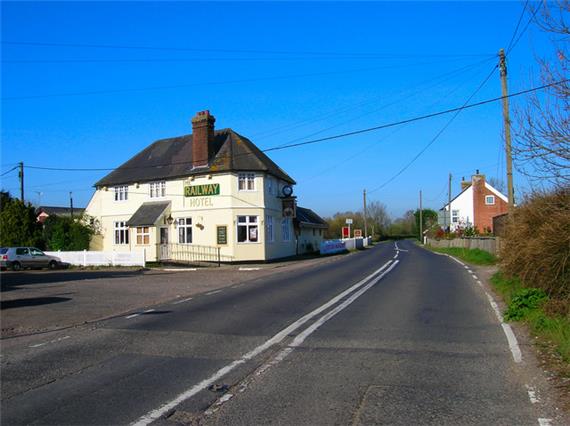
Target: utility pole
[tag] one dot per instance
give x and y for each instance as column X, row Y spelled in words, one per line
column 449, row 199
column 365, row 220
column 71, row 203
column 507, row 124
column 40, row 193
column 421, row 220
column 21, row 176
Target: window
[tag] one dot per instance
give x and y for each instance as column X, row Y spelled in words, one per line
column 185, row 230
column 36, row 252
column 490, row 200
column 121, row 193
column 269, row 229
column 158, row 189
column 271, row 186
column 247, row 229
column 246, row 181
column 286, row 229
column 455, row 216
column 143, row 235
column 121, row 233
column 22, row 251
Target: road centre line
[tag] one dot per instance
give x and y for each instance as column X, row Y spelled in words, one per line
column 277, row 338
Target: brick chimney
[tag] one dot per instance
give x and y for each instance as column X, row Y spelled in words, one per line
column 202, row 137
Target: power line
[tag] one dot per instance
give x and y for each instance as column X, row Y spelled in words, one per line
column 8, row 171
column 338, row 136
column 191, row 49
column 517, row 27
column 211, row 83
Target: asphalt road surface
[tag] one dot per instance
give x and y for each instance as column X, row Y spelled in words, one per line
column 385, row 336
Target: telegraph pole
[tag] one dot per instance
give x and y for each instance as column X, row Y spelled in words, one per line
column 21, row 176
column 421, row 220
column 71, row 203
column 507, row 124
column 365, row 220
column 449, row 200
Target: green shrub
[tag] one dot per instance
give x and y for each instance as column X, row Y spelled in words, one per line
column 523, row 302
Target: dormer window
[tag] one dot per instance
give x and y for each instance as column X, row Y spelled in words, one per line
column 490, row 200
column 121, row 193
column 246, row 182
column 157, row 189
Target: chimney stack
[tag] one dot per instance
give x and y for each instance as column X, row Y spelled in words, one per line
column 464, row 184
column 202, row 137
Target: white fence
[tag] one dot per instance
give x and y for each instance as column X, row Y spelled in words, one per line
column 101, row 258
column 357, row 243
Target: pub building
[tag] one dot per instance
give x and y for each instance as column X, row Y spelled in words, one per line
column 212, row 193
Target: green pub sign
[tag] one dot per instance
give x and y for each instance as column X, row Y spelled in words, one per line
column 222, row 234
column 202, row 190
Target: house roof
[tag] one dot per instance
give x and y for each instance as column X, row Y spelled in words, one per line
column 310, row 218
column 172, row 158
column 487, row 185
column 62, row 211
column 148, row 213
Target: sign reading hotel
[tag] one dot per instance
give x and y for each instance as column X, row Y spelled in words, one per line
column 202, row 190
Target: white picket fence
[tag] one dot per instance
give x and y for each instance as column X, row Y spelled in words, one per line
column 101, row 258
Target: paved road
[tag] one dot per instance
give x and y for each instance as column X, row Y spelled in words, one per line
column 382, row 337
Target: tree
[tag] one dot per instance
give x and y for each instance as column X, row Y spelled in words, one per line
column 65, row 233
column 541, row 146
column 378, row 218
column 429, row 219
column 18, row 223
column 404, row 226
column 339, row 220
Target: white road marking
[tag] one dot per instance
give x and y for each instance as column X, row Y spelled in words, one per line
column 182, row 301
column 157, row 413
column 545, row 422
column 37, row 345
column 148, row 310
column 474, row 277
column 249, row 269
column 132, row 316
column 213, row 292
column 532, row 395
column 179, row 269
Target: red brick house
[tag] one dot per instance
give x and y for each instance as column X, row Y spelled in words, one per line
column 475, row 206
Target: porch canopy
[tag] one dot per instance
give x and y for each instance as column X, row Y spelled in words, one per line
column 148, row 213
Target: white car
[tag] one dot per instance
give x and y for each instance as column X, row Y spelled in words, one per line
column 17, row 258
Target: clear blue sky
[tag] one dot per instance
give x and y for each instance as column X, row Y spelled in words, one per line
column 274, row 72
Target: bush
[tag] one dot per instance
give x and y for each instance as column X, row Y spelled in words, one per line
column 523, row 302
column 537, row 243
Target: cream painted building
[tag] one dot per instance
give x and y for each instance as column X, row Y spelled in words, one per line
column 199, row 197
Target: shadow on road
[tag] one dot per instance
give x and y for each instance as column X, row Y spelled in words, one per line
column 34, row 301
column 11, row 280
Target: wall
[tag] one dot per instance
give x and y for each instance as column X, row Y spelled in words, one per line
column 307, row 242
column 490, row 244
column 463, row 203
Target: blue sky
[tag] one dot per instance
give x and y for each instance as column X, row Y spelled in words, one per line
column 277, row 73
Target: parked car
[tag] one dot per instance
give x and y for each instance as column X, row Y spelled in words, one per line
column 18, row 258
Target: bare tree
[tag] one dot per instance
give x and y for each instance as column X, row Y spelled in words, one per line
column 378, row 216
column 542, row 130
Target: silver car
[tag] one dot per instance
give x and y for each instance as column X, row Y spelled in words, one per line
column 17, row 258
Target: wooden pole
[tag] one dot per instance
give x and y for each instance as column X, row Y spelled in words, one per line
column 507, row 124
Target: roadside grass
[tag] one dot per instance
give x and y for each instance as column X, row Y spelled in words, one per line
column 533, row 307
column 475, row 256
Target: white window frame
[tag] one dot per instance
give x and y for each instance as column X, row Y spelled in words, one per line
column 157, row 189
column 142, row 232
column 487, row 197
column 454, row 216
column 269, row 234
column 286, row 229
column 184, row 224
column 120, row 233
column 121, row 193
column 250, row 223
column 246, row 182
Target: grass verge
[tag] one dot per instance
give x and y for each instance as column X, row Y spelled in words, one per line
column 531, row 306
column 475, row 256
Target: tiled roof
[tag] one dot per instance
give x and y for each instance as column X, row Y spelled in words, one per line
column 309, row 217
column 172, row 158
column 148, row 213
column 62, row 211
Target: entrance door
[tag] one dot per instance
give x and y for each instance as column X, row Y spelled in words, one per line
column 164, row 247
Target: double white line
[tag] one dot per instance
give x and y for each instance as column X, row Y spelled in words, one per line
column 357, row 289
